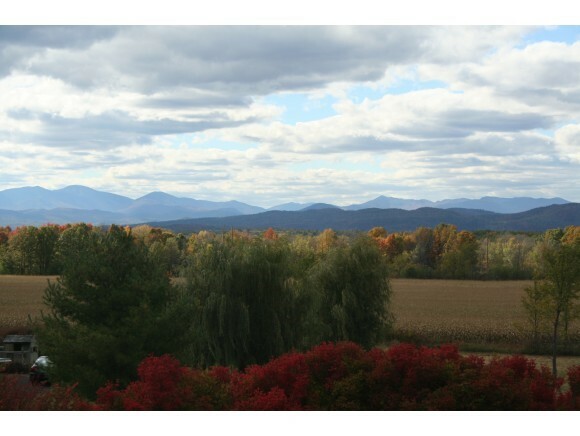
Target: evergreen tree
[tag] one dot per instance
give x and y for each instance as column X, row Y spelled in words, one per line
column 110, row 308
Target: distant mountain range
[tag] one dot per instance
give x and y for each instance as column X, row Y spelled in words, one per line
column 36, row 205
column 394, row 220
column 491, row 204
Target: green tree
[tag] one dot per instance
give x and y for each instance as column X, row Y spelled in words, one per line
column 46, row 242
column 559, row 283
column 352, row 282
column 31, row 250
column 110, row 308
column 22, row 250
column 460, row 259
column 245, row 302
column 167, row 254
column 444, row 238
column 4, row 235
column 537, row 306
column 423, row 252
column 4, row 256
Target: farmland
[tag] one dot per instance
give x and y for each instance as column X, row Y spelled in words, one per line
column 484, row 314
column 20, row 296
column 479, row 315
column 460, row 310
column 453, row 310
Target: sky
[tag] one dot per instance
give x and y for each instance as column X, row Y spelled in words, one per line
column 279, row 113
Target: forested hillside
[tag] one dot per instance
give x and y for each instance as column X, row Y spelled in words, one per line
column 395, row 220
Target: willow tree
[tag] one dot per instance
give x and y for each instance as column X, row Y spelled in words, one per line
column 354, row 293
column 246, row 307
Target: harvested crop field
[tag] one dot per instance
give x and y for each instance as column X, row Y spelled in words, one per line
column 487, row 311
column 20, row 296
column 431, row 311
column 461, row 311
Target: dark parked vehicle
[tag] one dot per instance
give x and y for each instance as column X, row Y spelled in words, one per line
column 39, row 371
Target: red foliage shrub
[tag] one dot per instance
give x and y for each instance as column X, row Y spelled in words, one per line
column 343, row 376
column 165, row 385
column 258, row 387
column 330, row 362
column 57, row 398
column 274, row 399
column 513, row 383
column 158, row 387
column 571, row 400
column 14, row 394
column 407, row 377
column 17, row 394
column 109, row 397
column 339, row 376
column 574, row 380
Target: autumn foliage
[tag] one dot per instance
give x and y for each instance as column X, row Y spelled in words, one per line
column 16, row 395
column 341, row 376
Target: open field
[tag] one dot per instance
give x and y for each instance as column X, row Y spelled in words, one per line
column 20, row 296
column 479, row 315
column 460, row 310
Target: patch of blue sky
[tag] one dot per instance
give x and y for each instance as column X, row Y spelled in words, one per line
column 549, row 133
column 567, row 34
column 552, row 131
column 300, row 107
column 359, row 93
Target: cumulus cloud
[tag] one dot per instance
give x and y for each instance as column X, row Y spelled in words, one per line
column 248, row 59
column 568, row 142
column 137, row 109
column 431, row 120
column 544, row 74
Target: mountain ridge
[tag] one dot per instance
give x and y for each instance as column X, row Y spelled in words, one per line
column 493, row 204
column 34, row 205
column 535, row 220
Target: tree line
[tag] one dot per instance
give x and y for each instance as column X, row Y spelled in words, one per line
column 439, row 252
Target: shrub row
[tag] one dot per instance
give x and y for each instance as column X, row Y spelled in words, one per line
column 340, row 376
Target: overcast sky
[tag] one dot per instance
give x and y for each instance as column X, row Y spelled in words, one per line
column 271, row 114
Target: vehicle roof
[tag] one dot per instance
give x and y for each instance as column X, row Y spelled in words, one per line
column 10, row 339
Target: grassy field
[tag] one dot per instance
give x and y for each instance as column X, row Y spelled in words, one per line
column 478, row 315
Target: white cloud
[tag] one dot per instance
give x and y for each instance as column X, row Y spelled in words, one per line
column 567, row 141
column 137, row 109
column 545, row 75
